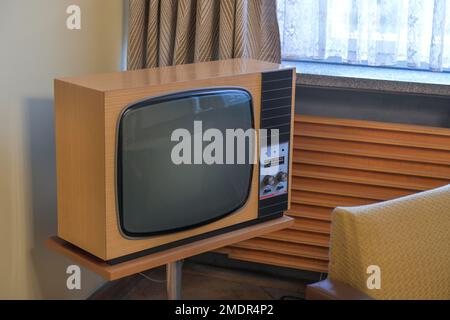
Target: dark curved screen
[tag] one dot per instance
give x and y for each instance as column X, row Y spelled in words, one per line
column 157, row 196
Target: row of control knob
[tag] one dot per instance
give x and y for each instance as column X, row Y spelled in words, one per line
column 271, row 180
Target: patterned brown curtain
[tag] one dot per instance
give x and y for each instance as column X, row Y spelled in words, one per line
column 170, row 32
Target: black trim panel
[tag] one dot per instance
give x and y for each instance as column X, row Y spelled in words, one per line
column 276, row 95
column 277, row 75
column 275, row 112
column 275, row 200
column 278, row 121
column 270, row 95
column 276, row 103
column 277, row 208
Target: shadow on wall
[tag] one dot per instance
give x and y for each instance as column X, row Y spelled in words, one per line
column 49, row 267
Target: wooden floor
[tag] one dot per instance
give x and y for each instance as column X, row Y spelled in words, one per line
column 203, row 282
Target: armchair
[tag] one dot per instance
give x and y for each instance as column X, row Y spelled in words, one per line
column 407, row 238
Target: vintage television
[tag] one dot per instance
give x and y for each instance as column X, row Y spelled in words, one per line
column 121, row 194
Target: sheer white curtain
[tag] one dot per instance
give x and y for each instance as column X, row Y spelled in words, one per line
column 408, row 33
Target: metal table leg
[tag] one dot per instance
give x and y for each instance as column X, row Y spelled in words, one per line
column 174, row 274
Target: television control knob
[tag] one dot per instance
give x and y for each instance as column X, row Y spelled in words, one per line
column 269, row 181
column 282, row 176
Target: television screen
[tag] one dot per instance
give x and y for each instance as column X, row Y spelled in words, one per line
column 153, row 190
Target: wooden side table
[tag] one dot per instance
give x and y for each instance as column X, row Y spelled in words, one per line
column 172, row 258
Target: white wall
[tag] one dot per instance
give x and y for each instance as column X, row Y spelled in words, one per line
column 36, row 47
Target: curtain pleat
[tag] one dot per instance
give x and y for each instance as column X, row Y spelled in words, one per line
column 137, row 32
column 167, row 31
column 226, row 29
column 170, row 32
column 206, row 30
column 184, row 52
column 150, row 48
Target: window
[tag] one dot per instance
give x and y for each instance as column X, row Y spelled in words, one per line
column 396, row 33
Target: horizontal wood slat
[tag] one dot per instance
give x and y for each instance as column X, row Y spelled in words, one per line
column 389, row 137
column 286, row 248
column 310, row 211
column 347, row 189
column 327, row 200
column 341, row 162
column 376, row 125
column 375, row 150
column 303, row 237
column 366, row 177
column 279, row 260
column 312, row 225
column 372, row 164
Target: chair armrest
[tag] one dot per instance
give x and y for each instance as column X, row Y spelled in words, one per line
column 333, row 290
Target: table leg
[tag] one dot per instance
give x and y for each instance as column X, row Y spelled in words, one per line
column 174, row 274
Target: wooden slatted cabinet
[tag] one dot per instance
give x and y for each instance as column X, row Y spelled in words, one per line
column 340, row 162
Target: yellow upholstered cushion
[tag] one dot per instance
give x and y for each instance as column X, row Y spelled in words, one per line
column 408, row 238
